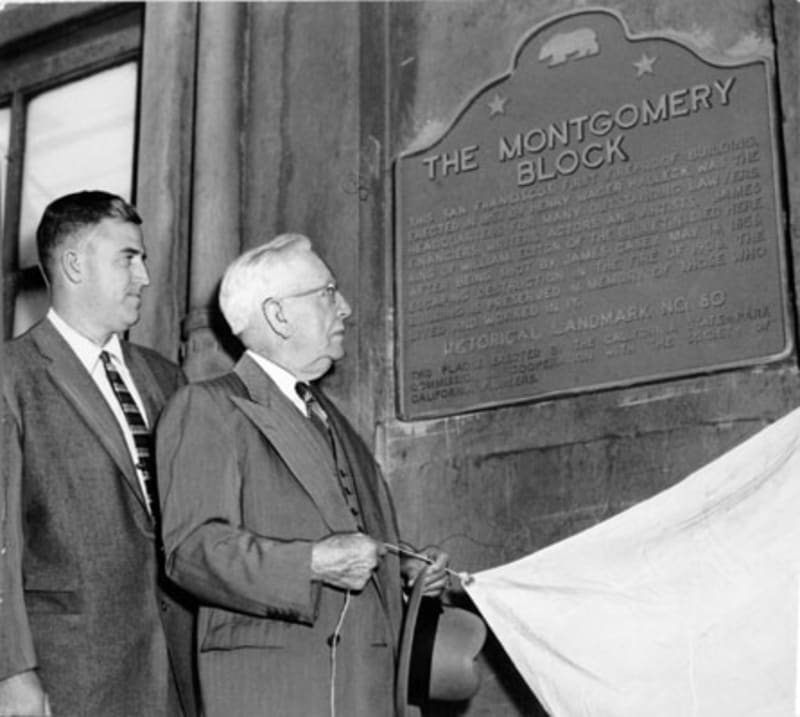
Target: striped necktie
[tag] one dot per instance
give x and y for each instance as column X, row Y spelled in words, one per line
column 317, row 414
column 139, row 430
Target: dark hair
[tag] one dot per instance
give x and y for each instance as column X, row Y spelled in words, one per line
column 72, row 213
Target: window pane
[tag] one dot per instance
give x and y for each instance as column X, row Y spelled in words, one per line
column 5, row 135
column 78, row 136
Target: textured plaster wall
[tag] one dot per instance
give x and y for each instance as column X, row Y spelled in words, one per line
column 313, row 162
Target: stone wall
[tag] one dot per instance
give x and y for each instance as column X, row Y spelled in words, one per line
column 331, row 94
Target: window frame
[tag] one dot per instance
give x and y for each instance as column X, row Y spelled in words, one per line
column 43, row 46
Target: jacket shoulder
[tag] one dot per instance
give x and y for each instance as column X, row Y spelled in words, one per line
column 217, row 391
column 166, row 372
column 219, row 388
column 18, row 348
column 229, row 384
column 153, row 358
column 20, row 358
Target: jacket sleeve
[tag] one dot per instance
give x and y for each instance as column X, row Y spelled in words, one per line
column 16, row 652
column 209, row 551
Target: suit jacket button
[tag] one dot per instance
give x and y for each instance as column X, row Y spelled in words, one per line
column 164, row 606
column 333, row 640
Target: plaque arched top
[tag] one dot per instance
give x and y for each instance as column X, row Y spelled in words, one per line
column 578, row 38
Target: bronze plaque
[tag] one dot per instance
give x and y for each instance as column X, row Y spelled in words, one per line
column 605, row 214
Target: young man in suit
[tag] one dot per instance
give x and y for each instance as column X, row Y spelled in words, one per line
column 88, row 624
column 275, row 514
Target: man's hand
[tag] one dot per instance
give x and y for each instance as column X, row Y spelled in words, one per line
column 346, row 560
column 435, row 575
column 22, row 695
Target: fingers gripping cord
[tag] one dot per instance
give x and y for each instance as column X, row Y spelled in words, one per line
column 464, row 577
column 334, row 641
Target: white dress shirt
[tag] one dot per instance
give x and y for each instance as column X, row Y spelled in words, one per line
column 88, row 354
column 283, row 379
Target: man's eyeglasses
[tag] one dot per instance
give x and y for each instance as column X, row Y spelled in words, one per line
column 328, row 290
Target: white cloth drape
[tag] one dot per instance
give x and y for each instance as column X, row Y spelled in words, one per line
column 684, row 605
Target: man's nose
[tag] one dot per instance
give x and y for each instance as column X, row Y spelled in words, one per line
column 343, row 308
column 141, row 275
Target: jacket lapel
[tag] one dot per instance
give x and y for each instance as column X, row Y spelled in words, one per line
column 147, row 385
column 299, row 444
column 72, row 379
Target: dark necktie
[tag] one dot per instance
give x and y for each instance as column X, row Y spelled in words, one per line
column 139, row 429
column 316, row 412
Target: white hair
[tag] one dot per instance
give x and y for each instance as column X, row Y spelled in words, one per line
column 252, row 277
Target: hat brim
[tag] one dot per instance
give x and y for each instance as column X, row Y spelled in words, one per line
column 438, row 647
column 407, row 644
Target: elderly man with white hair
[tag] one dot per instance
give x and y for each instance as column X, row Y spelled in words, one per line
column 275, row 514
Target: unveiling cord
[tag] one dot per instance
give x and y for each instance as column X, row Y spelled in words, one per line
column 334, row 642
column 464, row 577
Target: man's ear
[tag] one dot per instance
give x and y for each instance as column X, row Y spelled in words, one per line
column 273, row 313
column 70, row 264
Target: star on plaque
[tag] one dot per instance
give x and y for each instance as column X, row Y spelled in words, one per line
column 644, row 65
column 497, row 105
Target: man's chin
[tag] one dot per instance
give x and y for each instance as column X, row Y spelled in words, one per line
column 317, row 370
column 130, row 319
column 336, row 347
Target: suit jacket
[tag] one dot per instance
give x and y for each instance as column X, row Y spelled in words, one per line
column 84, row 599
column 247, row 484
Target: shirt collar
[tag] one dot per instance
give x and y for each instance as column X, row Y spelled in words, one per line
column 284, row 380
column 87, row 351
